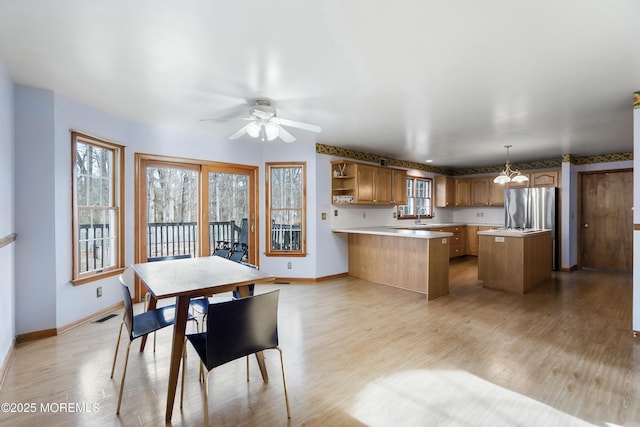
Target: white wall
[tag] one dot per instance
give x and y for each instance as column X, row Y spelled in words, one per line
column 7, row 215
column 35, row 266
column 636, row 220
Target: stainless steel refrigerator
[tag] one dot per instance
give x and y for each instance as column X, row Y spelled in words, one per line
column 533, row 208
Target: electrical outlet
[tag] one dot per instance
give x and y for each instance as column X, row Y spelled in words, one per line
column 98, row 291
column 289, row 265
column 335, row 212
column 364, row 215
column 324, row 216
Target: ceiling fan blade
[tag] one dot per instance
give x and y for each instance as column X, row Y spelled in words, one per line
column 284, row 135
column 294, row 124
column 239, row 133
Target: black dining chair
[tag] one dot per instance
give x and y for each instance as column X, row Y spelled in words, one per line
column 138, row 326
column 236, row 329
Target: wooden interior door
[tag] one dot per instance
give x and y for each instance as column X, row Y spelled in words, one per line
column 606, row 226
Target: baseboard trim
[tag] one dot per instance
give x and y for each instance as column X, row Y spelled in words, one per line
column 570, row 269
column 46, row 333
column 36, row 335
column 89, row 318
column 310, row 279
column 7, row 362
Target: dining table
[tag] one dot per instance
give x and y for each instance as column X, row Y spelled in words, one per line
column 184, row 279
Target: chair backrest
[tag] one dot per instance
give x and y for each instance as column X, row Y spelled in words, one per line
column 168, row 257
column 237, row 254
column 128, row 306
column 241, row 327
column 222, row 252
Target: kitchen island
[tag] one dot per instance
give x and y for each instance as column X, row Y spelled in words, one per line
column 414, row 259
column 514, row 261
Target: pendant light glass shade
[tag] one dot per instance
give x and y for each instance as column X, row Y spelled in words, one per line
column 508, row 174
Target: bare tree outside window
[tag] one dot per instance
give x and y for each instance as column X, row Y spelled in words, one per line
column 97, row 199
column 172, row 211
column 286, row 208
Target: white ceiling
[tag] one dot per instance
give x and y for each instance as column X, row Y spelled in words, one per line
column 453, row 81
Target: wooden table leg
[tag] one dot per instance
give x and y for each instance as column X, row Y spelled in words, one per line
column 182, row 311
column 151, row 306
column 245, row 292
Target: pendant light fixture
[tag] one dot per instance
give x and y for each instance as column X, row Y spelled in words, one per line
column 508, row 174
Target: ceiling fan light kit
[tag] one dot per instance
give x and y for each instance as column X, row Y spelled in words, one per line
column 264, row 124
column 508, row 174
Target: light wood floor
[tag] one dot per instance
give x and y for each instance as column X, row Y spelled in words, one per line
column 357, row 353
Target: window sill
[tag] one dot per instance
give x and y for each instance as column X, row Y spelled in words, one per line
column 98, row 276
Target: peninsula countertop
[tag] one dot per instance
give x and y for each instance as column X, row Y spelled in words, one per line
column 415, row 232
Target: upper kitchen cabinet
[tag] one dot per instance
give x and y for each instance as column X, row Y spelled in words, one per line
column 362, row 184
column 452, row 192
column 463, row 192
column 485, row 192
column 399, row 187
column 550, row 178
column 445, row 191
column 545, row 179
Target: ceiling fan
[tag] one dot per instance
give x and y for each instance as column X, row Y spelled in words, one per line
column 264, row 124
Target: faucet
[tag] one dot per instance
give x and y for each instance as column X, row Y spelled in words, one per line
column 418, row 219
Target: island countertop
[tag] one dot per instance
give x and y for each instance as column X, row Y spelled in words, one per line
column 417, row 233
column 512, row 233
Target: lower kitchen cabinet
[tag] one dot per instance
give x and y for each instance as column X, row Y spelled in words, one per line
column 456, row 242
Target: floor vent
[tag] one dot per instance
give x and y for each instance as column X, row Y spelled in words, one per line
column 105, row 318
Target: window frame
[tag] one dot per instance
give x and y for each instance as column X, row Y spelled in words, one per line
column 302, row 252
column 412, row 196
column 116, row 206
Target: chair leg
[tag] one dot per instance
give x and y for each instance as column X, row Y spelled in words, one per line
column 206, row 399
column 284, row 383
column 247, row 368
column 113, row 367
column 124, row 374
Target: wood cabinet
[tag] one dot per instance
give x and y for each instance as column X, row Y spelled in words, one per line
column 485, row 192
column 445, row 191
column 472, row 238
column 549, row 178
column 399, row 187
column 359, row 183
column 471, row 241
column 457, row 241
column 514, row 263
column 463, row 192
column 545, row 179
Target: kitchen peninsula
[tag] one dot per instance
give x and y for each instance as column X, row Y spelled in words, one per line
column 414, row 259
column 514, row 260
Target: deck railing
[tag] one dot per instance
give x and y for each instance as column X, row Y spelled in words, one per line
column 179, row 238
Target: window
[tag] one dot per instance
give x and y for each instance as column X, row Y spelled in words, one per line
column 419, row 196
column 286, row 209
column 97, row 208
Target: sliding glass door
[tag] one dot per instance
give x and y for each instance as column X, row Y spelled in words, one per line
column 190, row 208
